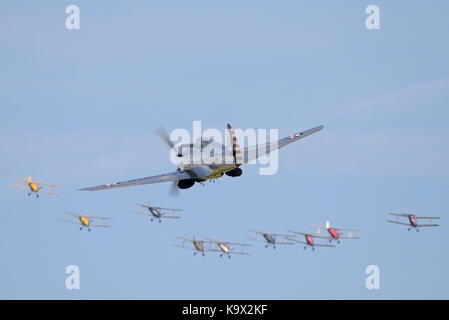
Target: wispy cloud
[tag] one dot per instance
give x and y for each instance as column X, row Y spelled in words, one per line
column 427, row 88
column 388, row 151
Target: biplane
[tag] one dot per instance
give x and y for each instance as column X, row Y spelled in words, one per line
column 210, row 245
column 335, row 233
column 227, row 160
column 269, row 238
column 156, row 212
column 309, row 240
column 34, row 186
column 198, row 245
column 226, row 248
column 412, row 220
column 85, row 221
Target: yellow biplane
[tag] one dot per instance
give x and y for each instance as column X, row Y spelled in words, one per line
column 85, row 221
column 34, row 186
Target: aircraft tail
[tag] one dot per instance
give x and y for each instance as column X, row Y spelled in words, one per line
column 328, row 225
column 236, row 150
column 29, row 179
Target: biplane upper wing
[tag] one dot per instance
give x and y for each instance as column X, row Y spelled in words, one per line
column 430, row 218
column 346, row 229
column 312, row 234
column 397, row 222
column 399, row 214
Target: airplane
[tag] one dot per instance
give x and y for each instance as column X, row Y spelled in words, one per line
column 269, row 238
column 34, row 186
column 227, row 162
column 85, row 221
column 198, row 245
column 225, row 248
column 335, row 233
column 309, row 240
column 412, row 223
column 156, row 212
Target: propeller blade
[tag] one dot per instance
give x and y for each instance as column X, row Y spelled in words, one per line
column 165, row 137
column 174, row 190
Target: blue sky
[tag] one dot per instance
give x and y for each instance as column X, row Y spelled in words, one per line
column 80, row 108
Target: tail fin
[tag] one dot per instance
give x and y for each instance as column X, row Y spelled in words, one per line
column 29, row 179
column 328, row 225
column 236, row 151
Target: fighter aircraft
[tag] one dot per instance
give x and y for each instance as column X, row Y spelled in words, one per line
column 269, row 238
column 412, row 223
column 228, row 161
column 225, row 248
column 309, row 240
column 34, row 186
column 156, row 212
column 85, row 221
column 335, row 233
column 198, row 245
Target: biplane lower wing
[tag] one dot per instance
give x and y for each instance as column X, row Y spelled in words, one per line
column 18, row 186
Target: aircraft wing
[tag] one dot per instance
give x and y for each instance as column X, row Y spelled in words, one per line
column 100, row 218
column 47, row 184
column 321, row 236
column 348, row 237
column 168, row 209
column 48, row 192
column 240, row 253
column 69, row 221
column 397, row 222
column 428, row 225
column 173, row 176
column 399, row 214
column 345, row 229
column 303, row 242
column 253, row 152
column 170, row 217
column 286, row 243
column 18, row 186
column 323, row 245
column 430, row 218
column 183, row 247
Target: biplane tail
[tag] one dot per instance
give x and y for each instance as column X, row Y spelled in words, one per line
column 29, row 179
column 328, row 225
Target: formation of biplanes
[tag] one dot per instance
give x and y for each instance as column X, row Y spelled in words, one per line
column 187, row 174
